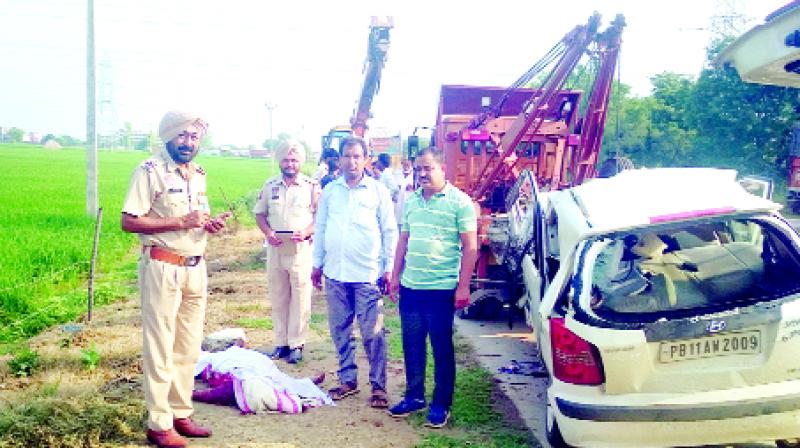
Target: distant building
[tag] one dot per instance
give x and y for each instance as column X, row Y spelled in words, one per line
column 119, row 139
column 32, row 137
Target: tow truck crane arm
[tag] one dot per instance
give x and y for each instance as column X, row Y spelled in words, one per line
column 377, row 47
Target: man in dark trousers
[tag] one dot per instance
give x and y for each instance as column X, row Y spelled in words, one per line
column 433, row 264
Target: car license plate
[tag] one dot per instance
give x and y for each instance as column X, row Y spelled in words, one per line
column 723, row 344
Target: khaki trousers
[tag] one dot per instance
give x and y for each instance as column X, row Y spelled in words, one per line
column 173, row 310
column 289, row 286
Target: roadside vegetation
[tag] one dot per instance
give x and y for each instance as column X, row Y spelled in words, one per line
column 713, row 119
column 47, row 246
column 81, row 387
column 475, row 418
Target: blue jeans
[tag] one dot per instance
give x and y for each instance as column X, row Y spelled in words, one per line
column 423, row 313
column 346, row 302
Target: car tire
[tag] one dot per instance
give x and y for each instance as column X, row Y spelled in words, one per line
column 552, row 431
column 788, row 443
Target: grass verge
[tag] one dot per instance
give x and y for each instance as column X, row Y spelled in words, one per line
column 475, row 420
column 49, row 419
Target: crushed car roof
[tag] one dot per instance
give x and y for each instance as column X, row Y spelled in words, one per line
column 642, row 197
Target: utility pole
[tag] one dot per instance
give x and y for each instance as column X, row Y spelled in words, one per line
column 91, row 110
column 270, row 107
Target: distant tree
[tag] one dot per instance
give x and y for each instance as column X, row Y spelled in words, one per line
column 270, row 143
column 47, row 138
column 15, row 135
column 141, row 145
column 671, row 137
column 66, row 140
column 152, row 141
column 207, row 141
column 740, row 125
column 127, row 135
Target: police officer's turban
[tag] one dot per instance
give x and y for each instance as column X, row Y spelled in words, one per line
column 176, row 121
column 293, row 146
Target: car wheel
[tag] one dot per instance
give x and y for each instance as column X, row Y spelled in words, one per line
column 552, row 430
column 788, row 443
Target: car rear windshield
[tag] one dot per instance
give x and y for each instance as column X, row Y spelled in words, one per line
column 708, row 266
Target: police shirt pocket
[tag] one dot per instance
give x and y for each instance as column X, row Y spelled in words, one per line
column 301, row 201
column 177, row 204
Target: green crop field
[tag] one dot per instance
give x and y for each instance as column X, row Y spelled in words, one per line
column 46, row 236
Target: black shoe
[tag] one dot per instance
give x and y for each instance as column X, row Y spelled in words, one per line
column 295, row 355
column 279, row 352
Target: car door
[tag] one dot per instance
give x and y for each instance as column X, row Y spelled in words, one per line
column 526, row 243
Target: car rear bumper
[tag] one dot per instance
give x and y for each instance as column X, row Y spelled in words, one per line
column 678, row 412
column 768, row 428
column 759, row 413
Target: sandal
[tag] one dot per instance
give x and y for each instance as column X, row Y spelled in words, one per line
column 378, row 399
column 343, row 390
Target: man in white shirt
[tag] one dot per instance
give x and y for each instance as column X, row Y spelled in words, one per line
column 354, row 244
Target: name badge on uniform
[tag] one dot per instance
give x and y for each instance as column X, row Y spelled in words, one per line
column 175, row 190
column 275, row 191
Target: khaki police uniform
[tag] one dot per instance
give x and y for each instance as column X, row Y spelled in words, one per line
column 172, row 282
column 289, row 208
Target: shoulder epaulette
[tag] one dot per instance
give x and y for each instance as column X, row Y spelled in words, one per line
column 309, row 179
column 199, row 169
column 149, row 165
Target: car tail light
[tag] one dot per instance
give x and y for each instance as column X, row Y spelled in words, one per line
column 574, row 360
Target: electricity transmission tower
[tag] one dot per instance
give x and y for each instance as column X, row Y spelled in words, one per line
column 109, row 125
column 727, row 20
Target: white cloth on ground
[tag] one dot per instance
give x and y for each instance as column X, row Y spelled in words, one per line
column 259, row 385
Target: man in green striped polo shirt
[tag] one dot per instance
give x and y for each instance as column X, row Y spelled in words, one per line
column 433, row 265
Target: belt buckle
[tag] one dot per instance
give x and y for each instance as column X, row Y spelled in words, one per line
column 192, row 261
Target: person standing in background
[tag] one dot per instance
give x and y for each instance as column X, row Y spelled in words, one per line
column 333, row 168
column 324, row 166
column 406, row 186
column 384, row 166
column 285, row 214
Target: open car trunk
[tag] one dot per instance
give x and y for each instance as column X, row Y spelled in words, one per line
column 707, row 304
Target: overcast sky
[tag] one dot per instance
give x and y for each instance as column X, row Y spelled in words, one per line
column 227, row 59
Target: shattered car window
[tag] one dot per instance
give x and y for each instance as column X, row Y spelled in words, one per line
column 709, row 265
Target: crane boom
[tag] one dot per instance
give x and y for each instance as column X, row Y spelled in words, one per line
column 377, row 47
column 547, row 99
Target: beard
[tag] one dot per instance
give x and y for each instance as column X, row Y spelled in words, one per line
column 181, row 154
column 289, row 172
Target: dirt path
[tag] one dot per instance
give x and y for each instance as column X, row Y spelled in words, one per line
column 237, row 296
column 238, row 291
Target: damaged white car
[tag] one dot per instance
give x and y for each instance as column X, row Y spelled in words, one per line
column 666, row 303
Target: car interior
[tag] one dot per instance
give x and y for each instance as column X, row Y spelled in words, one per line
column 700, row 266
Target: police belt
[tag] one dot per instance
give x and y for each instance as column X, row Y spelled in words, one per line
column 161, row 254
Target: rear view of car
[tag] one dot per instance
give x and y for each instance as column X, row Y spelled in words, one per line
column 682, row 330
